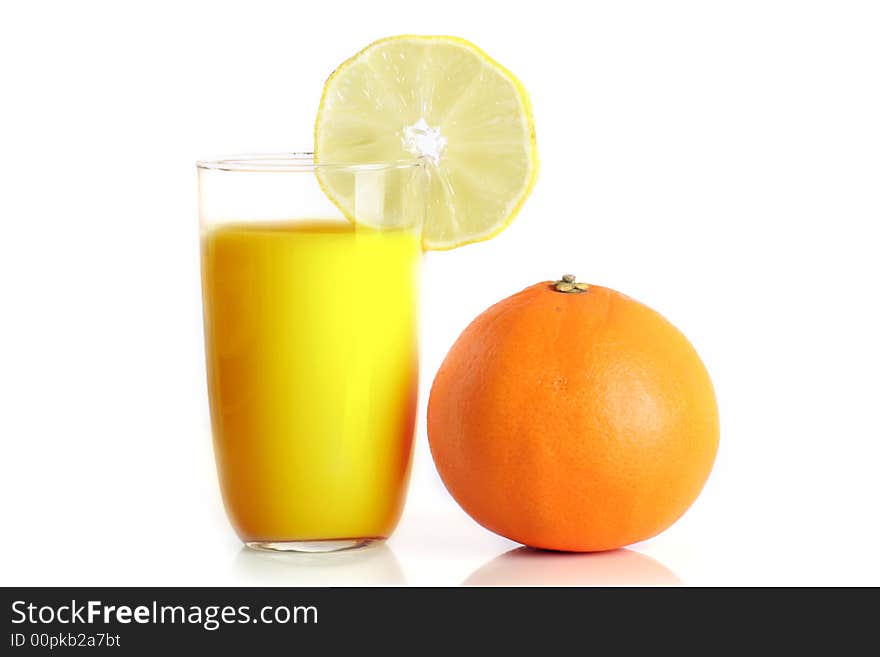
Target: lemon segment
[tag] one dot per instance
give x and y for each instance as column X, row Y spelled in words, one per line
column 443, row 101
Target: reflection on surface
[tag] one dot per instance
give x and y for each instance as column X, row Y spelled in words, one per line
column 530, row 567
column 375, row 565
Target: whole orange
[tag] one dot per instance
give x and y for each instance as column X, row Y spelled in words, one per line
column 572, row 417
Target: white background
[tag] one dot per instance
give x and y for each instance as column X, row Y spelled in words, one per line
column 717, row 160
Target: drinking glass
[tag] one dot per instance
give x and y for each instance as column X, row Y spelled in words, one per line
column 311, row 344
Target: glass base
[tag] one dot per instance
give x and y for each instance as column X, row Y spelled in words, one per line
column 313, row 547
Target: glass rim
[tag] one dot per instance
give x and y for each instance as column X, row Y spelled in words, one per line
column 296, row 161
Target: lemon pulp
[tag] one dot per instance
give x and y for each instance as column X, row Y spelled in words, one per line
column 444, row 101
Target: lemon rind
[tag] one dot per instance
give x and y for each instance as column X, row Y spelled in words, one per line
column 523, row 96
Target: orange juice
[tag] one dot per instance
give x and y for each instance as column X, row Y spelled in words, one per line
column 312, row 369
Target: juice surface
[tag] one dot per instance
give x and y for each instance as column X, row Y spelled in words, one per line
column 312, row 373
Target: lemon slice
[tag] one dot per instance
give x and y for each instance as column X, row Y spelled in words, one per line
column 444, row 101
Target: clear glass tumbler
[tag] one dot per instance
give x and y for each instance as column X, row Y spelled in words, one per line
column 311, row 344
